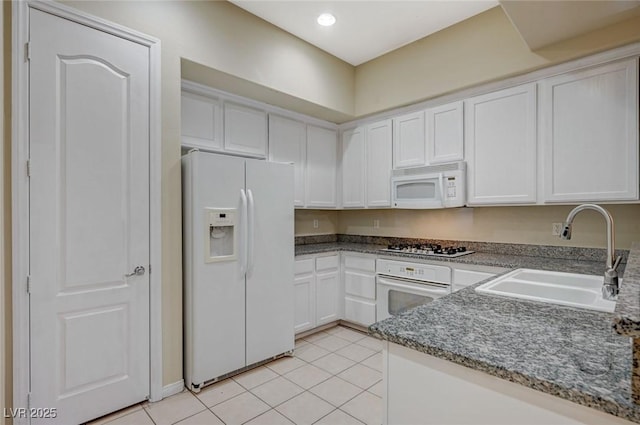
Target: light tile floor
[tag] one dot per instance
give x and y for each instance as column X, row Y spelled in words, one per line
column 334, row 378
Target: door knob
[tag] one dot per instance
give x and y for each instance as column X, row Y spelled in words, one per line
column 138, row 271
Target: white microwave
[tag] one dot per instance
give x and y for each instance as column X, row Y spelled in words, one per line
column 433, row 186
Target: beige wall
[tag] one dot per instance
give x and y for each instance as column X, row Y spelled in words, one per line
column 525, row 225
column 4, row 258
column 6, row 353
column 327, row 222
column 481, row 49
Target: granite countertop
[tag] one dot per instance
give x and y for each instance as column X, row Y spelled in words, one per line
column 511, row 261
column 570, row 353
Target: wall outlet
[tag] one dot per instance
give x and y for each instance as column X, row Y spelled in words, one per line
column 315, row 223
column 376, row 224
column 556, row 229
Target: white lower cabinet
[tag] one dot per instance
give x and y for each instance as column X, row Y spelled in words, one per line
column 317, row 291
column 304, row 295
column 423, row 389
column 359, row 288
column 468, row 274
column 329, row 287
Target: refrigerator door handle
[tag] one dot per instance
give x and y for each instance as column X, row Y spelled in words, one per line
column 251, row 219
column 243, row 232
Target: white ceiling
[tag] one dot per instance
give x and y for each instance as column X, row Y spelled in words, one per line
column 364, row 29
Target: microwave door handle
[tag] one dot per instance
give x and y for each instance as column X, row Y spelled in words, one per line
column 442, row 197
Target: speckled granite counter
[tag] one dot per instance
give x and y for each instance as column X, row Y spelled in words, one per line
column 627, row 313
column 570, row 353
column 479, row 258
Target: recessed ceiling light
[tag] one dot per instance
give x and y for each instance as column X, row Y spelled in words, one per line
column 326, row 19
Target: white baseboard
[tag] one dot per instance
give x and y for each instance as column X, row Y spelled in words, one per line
column 171, row 389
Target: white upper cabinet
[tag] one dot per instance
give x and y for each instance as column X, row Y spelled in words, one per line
column 444, row 133
column 288, row 143
column 322, row 152
column 353, row 168
column 500, row 145
column 201, row 118
column 245, row 130
column 409, row 147
column 590, row 134
column 378, row 159
column 366, row 166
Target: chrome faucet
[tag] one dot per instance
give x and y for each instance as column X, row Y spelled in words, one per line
column 610, row 287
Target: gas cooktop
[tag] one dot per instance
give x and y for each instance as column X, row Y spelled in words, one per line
column 429, row 250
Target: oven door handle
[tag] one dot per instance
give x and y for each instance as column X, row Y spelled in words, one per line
column 426, row 289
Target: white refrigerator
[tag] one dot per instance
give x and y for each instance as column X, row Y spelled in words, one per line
column 238, row 257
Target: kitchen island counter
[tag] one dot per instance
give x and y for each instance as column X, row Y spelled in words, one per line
column 570, row 353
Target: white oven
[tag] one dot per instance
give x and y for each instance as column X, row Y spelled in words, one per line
column 435, row 186
column 401, row 286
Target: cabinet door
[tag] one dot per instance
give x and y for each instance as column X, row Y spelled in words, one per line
column 590, row 134
column 353, row 168
column 409, row 147
column 361, row 312
column 464, row 278
column 327, row 297
column 500, row 142
column 444, row 133
column 288, row 143
column 245, row 130
column 201, row 118
column 378, row 153
column 322, row 151
column 304, row 303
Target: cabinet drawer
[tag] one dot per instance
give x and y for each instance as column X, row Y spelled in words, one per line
column 360, row 263
column 303, row 266
column 360, row 312
column 327, row 263
column 360, row 284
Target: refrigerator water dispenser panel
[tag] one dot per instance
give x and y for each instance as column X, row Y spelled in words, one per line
column 220, row 241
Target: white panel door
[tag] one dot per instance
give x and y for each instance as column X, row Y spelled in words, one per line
column 379, row 152
column 590, row 134
column 500, row 144
column 288, row 143
column 322, row 152
column 353, row 168
column 269, row 298
column 444, row 130
column 409, row 147
column 89, row 220
column 245, row 130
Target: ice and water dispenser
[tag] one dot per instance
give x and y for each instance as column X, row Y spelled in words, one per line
column 220, row 241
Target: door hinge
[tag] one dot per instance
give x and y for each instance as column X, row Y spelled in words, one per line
column 27, row 50
column 28, row 168
column 28, row 284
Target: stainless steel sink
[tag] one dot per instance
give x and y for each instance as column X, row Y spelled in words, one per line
column 570, row 289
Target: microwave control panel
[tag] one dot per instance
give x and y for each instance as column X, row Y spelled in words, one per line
column 450, row 187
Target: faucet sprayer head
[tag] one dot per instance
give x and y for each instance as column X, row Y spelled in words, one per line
column 566, row 231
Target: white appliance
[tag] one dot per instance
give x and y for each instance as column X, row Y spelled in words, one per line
column 401, row 286
column 238, row 233
column 432, row 186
